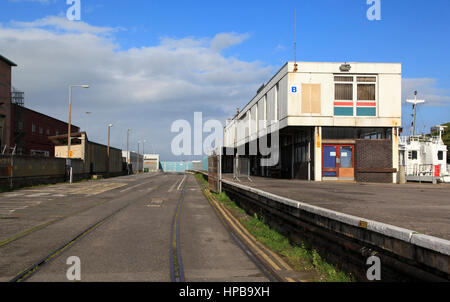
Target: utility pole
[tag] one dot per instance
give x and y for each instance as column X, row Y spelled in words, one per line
column 107, row 150
column 138, row 160
column 415, row 102
column 69, row 139
column 128, row 151
column 143, row 154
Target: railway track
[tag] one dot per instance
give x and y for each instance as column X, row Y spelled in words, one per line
column 266, row 266
column 39, row 227
column 176, row 263
column 177, row 273
column 27, row 273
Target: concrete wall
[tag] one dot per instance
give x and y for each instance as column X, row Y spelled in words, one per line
column 29, row 170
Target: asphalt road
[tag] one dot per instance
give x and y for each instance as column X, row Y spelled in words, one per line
column 131, row 245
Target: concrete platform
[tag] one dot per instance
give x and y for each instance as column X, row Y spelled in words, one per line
column 424, row 208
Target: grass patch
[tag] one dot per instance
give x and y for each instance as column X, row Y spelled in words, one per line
column 301, row 258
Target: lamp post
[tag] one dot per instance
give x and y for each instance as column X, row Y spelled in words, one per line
column 69, row 139
column 143, row 154
column 87, row 120
column 107, row 151
column 128, row 151
column 138, row 165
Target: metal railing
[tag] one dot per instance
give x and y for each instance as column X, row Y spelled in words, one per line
column 241, row 168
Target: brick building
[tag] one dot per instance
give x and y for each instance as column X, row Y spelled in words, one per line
column 22, row 128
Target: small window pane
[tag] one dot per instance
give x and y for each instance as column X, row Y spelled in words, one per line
column 343, row 79
column 366, row 79
column 440, row 155
column 366, row 92
column 414, row 155
column 343, row 92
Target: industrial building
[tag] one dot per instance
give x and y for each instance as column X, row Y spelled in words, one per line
column 151, row 162
column 21, row 129
column 134, row 159
column 95, row 157
column 337, row 121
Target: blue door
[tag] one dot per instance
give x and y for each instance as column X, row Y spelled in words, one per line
column 330, row 161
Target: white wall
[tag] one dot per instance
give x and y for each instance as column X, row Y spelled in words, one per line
column 288, row 108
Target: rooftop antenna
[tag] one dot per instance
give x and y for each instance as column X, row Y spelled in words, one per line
column 415, row 102
column 295, row 40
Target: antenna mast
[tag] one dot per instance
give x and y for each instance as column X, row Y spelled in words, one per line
column 295, row 40
column 415, row 102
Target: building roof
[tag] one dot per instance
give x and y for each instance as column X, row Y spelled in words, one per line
column 43, row 115
column 10, row 63
column 61, row 140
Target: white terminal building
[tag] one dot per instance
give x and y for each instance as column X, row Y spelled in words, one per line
column 337, row 121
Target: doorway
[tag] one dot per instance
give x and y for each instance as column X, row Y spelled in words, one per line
column 338, row 162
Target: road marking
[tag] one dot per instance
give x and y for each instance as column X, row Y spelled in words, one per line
column 13, row 195
column 127, row 189
column 173, row 186
column 245, row 231
column 255, row 248
column 184, row 178
column 38, row 195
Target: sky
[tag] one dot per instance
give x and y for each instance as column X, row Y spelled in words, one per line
column 149, row 63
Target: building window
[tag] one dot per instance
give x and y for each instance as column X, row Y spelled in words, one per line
column 355, row 95
column 47, row 132
column 441, row 155
column 412, row 155
column 33, row 128
column 41, row 131
column 20, row 125
column 56, row 132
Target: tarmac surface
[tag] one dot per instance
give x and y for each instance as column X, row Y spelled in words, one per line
column 424, row 208
column 131, row 245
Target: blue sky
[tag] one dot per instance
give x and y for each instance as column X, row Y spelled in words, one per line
column 255, row 38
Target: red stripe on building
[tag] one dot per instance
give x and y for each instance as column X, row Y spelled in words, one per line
column 366, row 104
column 343, row 103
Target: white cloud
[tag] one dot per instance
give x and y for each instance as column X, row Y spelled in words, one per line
column 427, row 90
column 40, row 1
column 143, row 88
column 55, row 23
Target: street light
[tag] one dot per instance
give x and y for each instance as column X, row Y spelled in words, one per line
column 107, row 152
column 87, row 120
column 128, row 152
column 143, row 154
column 69, row 164
column 138, row 165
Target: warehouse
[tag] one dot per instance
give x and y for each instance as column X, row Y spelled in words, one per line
column 151, row 162
column 96, row 158
column 336, row 121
